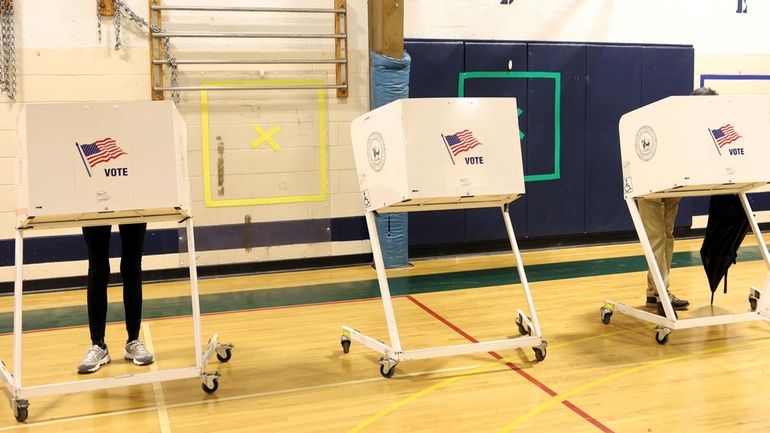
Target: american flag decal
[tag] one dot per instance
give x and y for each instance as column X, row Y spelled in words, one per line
column 101, row 151
column 724, row 135
column 462, row 141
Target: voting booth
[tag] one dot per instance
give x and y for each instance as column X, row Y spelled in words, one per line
column 693, row 146
column 87, row 164
column 102, row 163
column 435, row 154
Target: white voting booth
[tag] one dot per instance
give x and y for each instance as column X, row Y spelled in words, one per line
column 86, row 164
column 437, row 154
column 694, row 146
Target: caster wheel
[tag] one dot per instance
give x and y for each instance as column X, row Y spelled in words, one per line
column 661, row 337
column 539, row 353
column 213, row 389
column 21, row 414
column 753, row 304
column 606, row 316
column 345, row 346
column 522, row 329
column 387, row 374
column 228, row 355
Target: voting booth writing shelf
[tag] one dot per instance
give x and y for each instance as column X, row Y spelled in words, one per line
column 694, row 146
column 90, row 164
column 438, row 154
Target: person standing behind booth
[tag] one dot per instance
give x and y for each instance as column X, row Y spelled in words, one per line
column 658, row 216
column 98, row 244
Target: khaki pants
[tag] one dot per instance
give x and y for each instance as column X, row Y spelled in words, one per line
column 658, row 215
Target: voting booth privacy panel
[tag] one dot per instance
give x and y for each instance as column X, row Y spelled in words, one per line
column 694, row 146
column 688, row 145
column 439, row 154
column 432, row 154
column 83, row 164
column 105, row 163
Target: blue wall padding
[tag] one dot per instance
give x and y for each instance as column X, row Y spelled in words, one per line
column 439, row 64
column 390, row 82
column 599, row 83
column 436, row 228
column 662, row 76
column 614, row 88
column 557, row 207
column 494, row 57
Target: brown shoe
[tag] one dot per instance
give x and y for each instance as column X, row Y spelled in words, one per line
column 678, row 304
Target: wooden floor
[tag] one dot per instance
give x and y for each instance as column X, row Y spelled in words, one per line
column 288, row 372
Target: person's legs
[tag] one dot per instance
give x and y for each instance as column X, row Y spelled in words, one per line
column 97, row 244
column 652, row 212
column 132, row 240
column 670, row 208
column 658, row 216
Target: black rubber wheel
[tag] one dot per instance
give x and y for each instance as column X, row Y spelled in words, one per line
column 522, row 330
column 387, row 374
column 753, row 304
column 213, row 389
column 21, row 414
column 345, row 346
column 539, row 353
column 606, row 318
column 661, row 341
column 228, row 355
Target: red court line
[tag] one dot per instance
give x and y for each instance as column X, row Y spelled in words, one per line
column 514, row 367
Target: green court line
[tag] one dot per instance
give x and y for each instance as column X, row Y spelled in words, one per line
column 347, row 291
column 556, row 77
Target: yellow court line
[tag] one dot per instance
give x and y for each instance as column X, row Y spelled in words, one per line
column 160, row 400
column 323, row 143
column 559, row 398
column 221, row 400
column 392, row 408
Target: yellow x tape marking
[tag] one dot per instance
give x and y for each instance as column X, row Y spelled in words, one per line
column 266, row 136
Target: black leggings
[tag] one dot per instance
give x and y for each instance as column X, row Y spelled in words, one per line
column 98, row 245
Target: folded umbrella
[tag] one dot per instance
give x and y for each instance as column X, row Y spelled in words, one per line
column 727, row 227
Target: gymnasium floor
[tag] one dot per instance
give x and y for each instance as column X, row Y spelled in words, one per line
column 288, row 372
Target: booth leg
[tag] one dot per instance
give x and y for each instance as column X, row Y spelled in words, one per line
column 523, row 278
column 17, row 309
column 756, row 301
column 652, row 264
column 379, row 265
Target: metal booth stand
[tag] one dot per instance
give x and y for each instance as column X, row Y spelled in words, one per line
column 89, row 164
column 694, row 146
column 438, row 154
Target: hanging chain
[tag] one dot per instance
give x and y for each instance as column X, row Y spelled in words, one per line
column 99, row 7
column 120, row 10
column 8, row 48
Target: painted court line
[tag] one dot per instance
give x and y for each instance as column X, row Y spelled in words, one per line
column 160, row 400
column 219, row 400
column 577, row 390
column 506, row 361
column 515, row 368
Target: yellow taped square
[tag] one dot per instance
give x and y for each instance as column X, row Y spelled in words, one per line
column 323, row 181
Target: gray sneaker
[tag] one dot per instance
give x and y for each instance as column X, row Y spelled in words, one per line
column 95, row 357
column 136, row 352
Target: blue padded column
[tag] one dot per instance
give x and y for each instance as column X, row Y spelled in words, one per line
column 390, row 82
